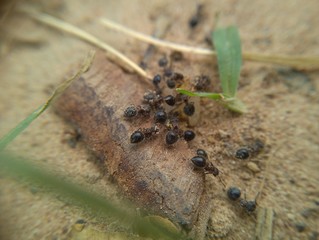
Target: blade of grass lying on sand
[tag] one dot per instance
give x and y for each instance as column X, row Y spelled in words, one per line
column 100, row 206
column 4, row 141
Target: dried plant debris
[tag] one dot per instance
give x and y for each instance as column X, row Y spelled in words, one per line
column 264, row 228
column 294, row 61
column 145, row 147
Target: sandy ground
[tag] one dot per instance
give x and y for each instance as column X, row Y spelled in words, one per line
column 283, row 112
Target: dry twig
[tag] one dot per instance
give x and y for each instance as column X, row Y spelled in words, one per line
column 83, row 35
column 302, row 62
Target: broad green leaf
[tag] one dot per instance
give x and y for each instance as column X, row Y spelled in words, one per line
column 4, row 141
column 229, row 57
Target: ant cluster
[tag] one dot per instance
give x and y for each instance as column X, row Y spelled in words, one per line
column 234, row 193
column 164, row 108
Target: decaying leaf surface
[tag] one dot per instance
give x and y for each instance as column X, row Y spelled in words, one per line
column 155, row 176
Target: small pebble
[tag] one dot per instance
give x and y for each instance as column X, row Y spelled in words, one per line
column 253, row 167
column 223, row 134
column 245, row 176
column 290, row 216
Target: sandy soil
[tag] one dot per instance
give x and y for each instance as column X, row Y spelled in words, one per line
column 283, row 114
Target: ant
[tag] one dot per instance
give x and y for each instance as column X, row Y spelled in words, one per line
column 201, row 82
column 249, row 206
column 246, row 152
column 174, row 132
column 242, row 153
column 234, row 193
column 175, row 79
column 132, row 111
column 200, row 162
column 141, row 134
column 173, row 135
column 196, row 18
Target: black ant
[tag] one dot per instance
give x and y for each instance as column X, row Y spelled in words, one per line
column 189, row 108
column 193, row 22
column 234, row 193
column 200, row 161
column 137, row 136
column 141, row 134
column 171, row 137
column 175, row 79
column 176, row 56
column 157, row 79
column 153, row 99
column 160, row 116
column 132, row 111
column 163, row 62
column 249, row 206
column 189, row 135
column 169, row 100
column 201, row 82
column 242, row 153
column 254, row 149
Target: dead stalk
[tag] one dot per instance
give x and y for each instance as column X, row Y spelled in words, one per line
column 111, row 52
column 302, row 62
column 155, row 41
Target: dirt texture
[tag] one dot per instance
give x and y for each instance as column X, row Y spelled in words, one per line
column 280, row 129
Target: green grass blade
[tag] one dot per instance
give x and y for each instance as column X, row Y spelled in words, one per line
column 229, row 57
column 215, row 96
column 4, row 141
column 100, row 206
column 234, row 104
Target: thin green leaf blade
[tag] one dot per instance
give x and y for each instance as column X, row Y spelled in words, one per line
column 9, row 137
column 214, row 96
column 19, row 128
column 229, row 57
column 235, row 105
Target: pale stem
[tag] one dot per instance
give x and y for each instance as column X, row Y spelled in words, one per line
column 304, row 62
column 66, row 27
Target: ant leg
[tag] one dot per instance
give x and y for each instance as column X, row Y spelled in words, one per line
column 222, row 181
